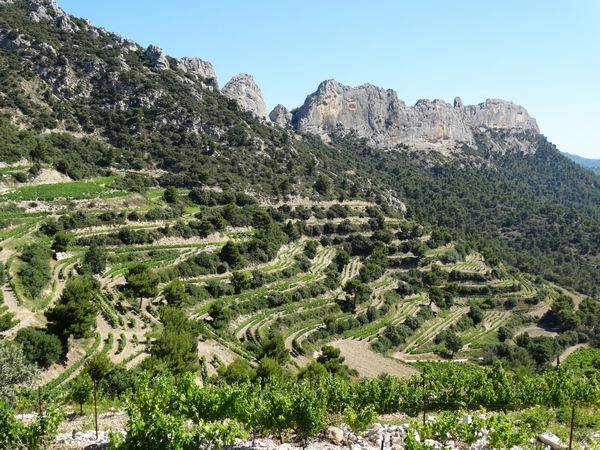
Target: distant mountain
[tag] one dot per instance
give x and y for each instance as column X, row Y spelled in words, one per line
column 592, row 164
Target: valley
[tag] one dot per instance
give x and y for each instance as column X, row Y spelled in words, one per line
column 345, row 274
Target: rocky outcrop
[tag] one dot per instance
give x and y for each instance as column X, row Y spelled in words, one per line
column 334, row 435
column 551, row 440
column 48, row 11
column 380, row 116
column 157, row 58
column 199, row 68
column 19, row 41
column 281, row 116
column 244, row 90
column 495, row 113
column 127, row 45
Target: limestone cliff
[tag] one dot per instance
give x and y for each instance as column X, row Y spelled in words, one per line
column 386, row 121
column 243, row 89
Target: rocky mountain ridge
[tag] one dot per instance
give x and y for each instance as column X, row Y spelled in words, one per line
column 370, row 112
column 378, row 115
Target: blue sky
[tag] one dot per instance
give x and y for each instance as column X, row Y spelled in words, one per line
column 544, row 55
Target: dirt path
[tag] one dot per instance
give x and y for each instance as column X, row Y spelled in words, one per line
column 25, row 317
column 368, row 363
column 564, row 355
column 60, row 282
column 209, row 349
column 576, row 297
column 535, row 330
column 136, row 360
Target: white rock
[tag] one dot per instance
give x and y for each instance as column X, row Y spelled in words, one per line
column 335, row 435
column 552, row 440
column 243, row 89
column 59, row 256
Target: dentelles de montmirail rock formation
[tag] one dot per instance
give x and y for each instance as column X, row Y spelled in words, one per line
column 243, row 89
column 281, row 116
column 199, row 67
column 386, row 121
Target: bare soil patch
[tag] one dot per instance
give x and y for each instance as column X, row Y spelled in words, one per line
column 368, row 363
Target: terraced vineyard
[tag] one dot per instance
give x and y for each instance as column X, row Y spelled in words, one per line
column 333, row 272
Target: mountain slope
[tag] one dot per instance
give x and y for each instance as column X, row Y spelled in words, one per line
column 95, row 101
column 592, row 164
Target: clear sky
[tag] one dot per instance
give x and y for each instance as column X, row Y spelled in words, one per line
column 542, row 54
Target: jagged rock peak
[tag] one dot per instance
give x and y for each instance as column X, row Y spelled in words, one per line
column 243, row 89
column 48, row 4
column 199, row 67
column 48, row 11
column 158, row 58
column 128, row 45
column 380, row 116
column 281, row 116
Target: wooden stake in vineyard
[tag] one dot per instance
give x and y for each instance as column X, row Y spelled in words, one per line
column 424, row 393
column 572, row 427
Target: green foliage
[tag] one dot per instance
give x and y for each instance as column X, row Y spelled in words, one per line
column 118, row 381
column 451, row 426
column 133, row 182
column 230, row 253
column 35, row 435
column 522, row 207
column 98, row 367
column 176, row 294
column 157, row 418
column 159, row 406
column 16, row 371
column 271, row 370
column 450, row 195
column 7, row 320
column 75, row 312
column 333, row 361
column 171, row 195
column 275, row 349
column 61, row 242
column 34, row 272
column 239, row 371
column 39, row 347
column 75, row 190
column 141, row 281
column 81, row 389
column 584, row 360
column 323, row 185
column 220, row 314
column 56, row 382
column 359, row 420
column 562, row 314
column 504, row 333
column 357, row 291
column 176, row 347
column 453, row 343
column 94, row 260
column 240, row 281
